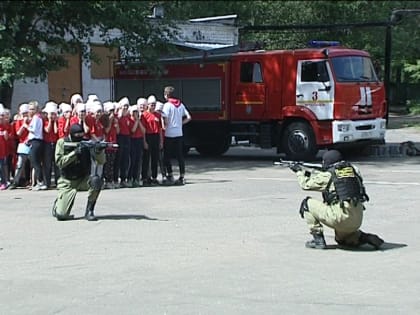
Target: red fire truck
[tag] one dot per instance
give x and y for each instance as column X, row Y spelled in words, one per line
column 298, row 101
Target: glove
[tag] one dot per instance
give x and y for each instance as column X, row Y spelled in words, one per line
column 295, row 167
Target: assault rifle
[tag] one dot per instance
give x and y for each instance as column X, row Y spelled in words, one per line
column 90, row 144
column 300, row 163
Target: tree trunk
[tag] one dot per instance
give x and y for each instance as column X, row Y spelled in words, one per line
column 6, row 93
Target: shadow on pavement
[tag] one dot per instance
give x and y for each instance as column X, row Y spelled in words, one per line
column 366, row 248
column 122, row 217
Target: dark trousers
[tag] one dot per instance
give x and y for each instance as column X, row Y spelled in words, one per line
column 151, row 156
column 136, row 152
column 35, row 156
column 109, row 167
column 49, row 163
column 123, row 155
column 174, row 148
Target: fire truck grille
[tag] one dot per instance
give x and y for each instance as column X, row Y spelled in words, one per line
column 365, row 127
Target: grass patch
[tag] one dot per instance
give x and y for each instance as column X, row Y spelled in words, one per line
column 414, row 108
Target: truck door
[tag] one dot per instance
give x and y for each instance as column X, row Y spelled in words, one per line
column 248, row 99
column 315, row 88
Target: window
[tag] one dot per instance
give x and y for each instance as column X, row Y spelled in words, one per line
column 314, row 71
column 353, row 69
column 251, row 72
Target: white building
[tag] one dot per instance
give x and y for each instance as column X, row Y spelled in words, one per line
column 93, row 78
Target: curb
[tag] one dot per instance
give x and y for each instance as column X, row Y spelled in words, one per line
column 404, row 149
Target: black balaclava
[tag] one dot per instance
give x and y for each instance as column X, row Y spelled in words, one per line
column 330, row 157
column 74, row 130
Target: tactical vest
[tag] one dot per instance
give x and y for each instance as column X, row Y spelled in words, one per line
column 348, row 185
column 80, row 167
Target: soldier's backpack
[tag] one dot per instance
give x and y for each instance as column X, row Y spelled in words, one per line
column 348, row 185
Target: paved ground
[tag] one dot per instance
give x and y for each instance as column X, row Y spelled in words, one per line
column 229, row 242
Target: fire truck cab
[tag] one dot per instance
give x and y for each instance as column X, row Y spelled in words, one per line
column 298, row 101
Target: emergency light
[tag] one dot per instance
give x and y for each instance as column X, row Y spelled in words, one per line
column 322, row 43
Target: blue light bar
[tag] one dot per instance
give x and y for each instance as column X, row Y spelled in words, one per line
column 322, row 43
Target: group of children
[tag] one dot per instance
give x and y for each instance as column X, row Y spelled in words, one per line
column 137, row 129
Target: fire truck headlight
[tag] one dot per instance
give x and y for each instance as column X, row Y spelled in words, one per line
column 343, row 127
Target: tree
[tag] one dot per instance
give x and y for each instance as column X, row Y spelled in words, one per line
column 34, row 35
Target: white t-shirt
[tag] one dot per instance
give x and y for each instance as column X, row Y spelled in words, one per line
column 35, row 128
column 174, row 116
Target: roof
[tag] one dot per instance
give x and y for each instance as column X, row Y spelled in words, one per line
column 225, row 19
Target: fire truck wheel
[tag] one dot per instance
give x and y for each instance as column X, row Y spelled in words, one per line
column 299, row 142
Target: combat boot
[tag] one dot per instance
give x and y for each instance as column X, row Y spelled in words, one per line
column 89, row 214
column 317, row 242
column 371, row 239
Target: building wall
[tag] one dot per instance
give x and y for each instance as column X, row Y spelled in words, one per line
column 25, row 92
column 191, row 32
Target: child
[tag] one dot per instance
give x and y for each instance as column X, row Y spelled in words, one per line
column 4, row 136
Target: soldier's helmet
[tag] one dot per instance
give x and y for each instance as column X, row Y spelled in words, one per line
column 76, row 133
column 330, row 157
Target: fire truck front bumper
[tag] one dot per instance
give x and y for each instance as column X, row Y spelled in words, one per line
column 348, row 131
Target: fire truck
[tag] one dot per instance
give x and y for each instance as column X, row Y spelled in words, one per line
column 298, row 101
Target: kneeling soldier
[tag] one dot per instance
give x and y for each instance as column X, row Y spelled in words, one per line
column 342, row 207
column 76, row 163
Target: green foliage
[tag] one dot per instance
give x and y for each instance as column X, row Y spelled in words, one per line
column 413, row 70
column 414, row 107
column 406, row 34
column 35, row 35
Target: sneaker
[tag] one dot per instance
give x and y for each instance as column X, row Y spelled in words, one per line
column 180, row 181
column 146, row 182
column 108, row 185
column 129, row 184
column 12, row 186
column 3, row 187
column 136, row 184
column 40, row 187
column 154, row 181
column 169, row 180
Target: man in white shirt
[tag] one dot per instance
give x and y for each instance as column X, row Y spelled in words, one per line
column 35, row 139
column 175, row 115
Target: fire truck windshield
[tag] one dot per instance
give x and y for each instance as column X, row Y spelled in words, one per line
column 353, row 69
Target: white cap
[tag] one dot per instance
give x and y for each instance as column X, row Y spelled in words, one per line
column 24, row 108
column 50, row 107
column 133, row 108
column 141, row 101
column 76, row 98
column 96, row 107
column 109, row 106
column 123, row 102
column 64, row 107
column 92, row 105
column 151, row 99
column 80, row 107
column 92, row 98
column 159, row 106
column 1, row 106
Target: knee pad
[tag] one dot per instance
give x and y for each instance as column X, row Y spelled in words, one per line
column 95, row 182
column 304, row 207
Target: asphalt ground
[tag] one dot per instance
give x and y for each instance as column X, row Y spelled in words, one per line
column 228, row 242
